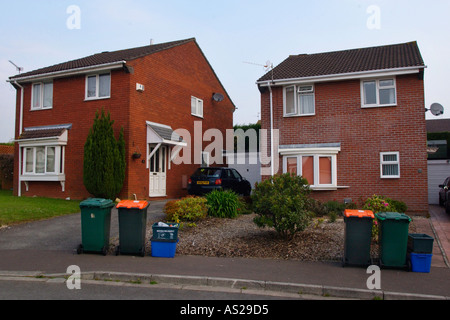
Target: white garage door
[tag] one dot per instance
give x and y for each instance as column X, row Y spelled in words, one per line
column 438, row 171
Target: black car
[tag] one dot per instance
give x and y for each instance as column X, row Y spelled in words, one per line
column 205, row 180
column 444, row 194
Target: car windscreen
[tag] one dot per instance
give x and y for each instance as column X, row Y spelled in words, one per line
column 207, row 173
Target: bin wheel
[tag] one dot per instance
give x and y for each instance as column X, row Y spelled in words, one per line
column 408, row 265
column 80, row 249
column 117, row 250
column 104, row 250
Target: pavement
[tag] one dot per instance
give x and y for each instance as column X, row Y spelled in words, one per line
column 45, row 249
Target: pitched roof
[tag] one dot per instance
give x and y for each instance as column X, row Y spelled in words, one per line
column 44, row 132
column 348, row 61
column 104, row 58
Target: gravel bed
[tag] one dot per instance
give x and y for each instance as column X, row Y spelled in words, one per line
column 241, row 237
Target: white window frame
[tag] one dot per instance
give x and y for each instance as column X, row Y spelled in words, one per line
column 316, row 184
column 382, row 163
column 59, row 161
column 197, row 106
column 297, row 93
column 97, row 86
column 378, row 88
column 41, row 96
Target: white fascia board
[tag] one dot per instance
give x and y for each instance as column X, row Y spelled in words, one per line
column 71, row 72
column 343, row 76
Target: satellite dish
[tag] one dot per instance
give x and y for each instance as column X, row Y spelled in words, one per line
column 437, row 109
column 218, row 97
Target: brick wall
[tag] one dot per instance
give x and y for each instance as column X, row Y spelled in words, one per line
column 363, row 134
column 170, row 78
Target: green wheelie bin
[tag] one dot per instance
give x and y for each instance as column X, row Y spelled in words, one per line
column 95, row 225
column 393, row 237
column 358, row 237
column 132, row 227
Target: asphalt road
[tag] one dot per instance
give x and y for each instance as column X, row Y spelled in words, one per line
column 57, row 289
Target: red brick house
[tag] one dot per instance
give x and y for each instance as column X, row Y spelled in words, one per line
column 150, row 91
column 351, row 122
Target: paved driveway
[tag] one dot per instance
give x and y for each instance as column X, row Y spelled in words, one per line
column 61, row 233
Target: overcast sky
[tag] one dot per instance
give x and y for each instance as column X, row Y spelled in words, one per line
column 35, row 34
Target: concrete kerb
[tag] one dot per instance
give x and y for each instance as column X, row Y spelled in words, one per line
column 220, row 284
column 247, row 285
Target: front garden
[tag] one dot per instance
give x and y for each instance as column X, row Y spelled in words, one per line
column 279, row 221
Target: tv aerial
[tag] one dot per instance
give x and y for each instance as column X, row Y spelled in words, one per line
column 436, row 109
column 19, row 69
column 267, row 67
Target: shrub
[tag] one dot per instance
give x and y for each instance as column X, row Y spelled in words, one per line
column 223, row 204
column 281, row 202
column 6, row 168
column 382, row 204
column 104, row 159
column 188, row 209
column 317, row 208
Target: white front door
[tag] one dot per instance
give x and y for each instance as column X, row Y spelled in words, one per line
column 158, row 172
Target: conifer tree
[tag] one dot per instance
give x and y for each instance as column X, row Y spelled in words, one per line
column 104, row 159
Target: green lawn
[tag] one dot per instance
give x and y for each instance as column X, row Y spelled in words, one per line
column 14, row 210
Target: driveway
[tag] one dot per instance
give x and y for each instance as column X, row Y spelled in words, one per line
column 440, row 222
column 61, row 233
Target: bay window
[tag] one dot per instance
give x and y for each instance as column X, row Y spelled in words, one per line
column 43, row 160
column 316, row 163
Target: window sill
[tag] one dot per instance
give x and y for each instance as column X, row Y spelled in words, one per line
column 196, row 115
column 40, row 109
column 95, row 99
column 379, row 106
column 390, row 178
column 299, row 115
column 327, row 188
column 43, row 177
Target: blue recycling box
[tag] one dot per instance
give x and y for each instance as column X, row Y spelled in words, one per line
column 421, row 262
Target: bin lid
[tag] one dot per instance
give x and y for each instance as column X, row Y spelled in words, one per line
column 96, row 203
column 358, row 214
column 132, row 204
column 392, row 216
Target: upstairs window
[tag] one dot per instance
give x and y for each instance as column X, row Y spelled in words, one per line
column 379, row 93
column 196, row 107
column 42, row 96
column 299, row 101
column 98, row 86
